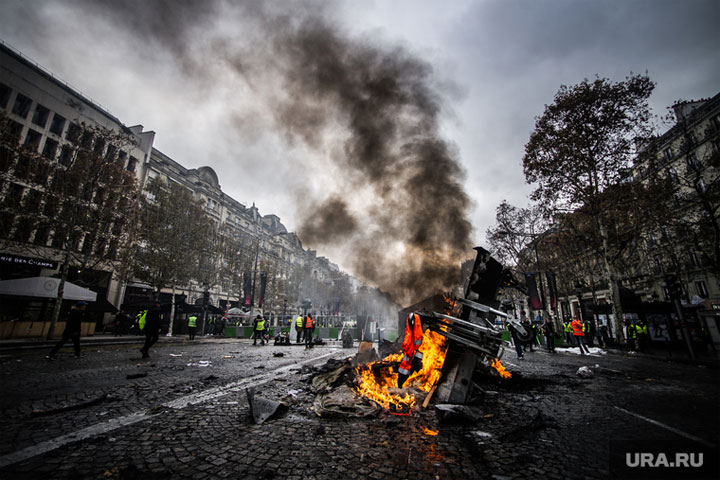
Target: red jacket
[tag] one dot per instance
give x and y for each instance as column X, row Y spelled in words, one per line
column 577, row 327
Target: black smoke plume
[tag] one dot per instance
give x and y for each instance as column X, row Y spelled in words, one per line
column 371, row 110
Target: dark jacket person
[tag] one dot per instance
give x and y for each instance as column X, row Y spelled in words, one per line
column 152, row 329
column 72, row 330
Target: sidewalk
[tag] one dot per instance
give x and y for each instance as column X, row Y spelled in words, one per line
column 31, row 343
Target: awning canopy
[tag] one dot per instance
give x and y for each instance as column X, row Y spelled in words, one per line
column 45, row 287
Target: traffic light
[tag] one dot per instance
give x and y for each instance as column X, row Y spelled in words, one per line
column 672, row 283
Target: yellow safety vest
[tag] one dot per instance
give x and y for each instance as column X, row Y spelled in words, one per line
column 299, row 322
column 260, row 325
column 192, row 321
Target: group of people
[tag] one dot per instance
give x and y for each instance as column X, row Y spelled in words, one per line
column 305, row 326
column 577, row 333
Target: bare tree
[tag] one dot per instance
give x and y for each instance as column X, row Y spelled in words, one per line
column 581, row 145
column 80, row 208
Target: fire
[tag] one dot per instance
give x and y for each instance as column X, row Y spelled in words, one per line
column 500, row 368
column 432, row 433
column 376, row 387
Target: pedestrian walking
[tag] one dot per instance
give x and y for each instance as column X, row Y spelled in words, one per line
column 119, row 324
column 631, row 334
column 548, row 330
column 309, row 328
column 515, row 341
column 192, row 326
column 73, row 326
column 577, row 327
column 259, row 330
column 152, row 329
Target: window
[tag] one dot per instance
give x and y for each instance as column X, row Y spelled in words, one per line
column 716, row 146
column 658, row 263
column 668, row 154
column 40, row 117
column 700, row 186
column 31, row 203
column 691, row 138
column 14, row 194
column 701, row 289
column 692, row 161
column 42, row 234
column 672, row 173
column 716, row 121
column 32, row 139
column 86, row 139
column 110, row 153
column 99, row 147
column 5, row 92
column 652, row 239
column 73, row 133
column 22, row 105
column 131, row 166
column 14, row 129
column 57, row 124
column 694, row 259
column 66, row 154
column 50, row 148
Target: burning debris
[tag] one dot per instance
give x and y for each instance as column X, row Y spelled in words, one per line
column 440, row 353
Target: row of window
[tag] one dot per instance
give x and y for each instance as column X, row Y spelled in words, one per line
column 75, row 134
column 29, row 230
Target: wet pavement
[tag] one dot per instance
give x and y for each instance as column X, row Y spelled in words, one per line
column 184, row 414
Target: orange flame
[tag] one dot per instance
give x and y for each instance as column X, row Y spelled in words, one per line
column 377, row 389
column 432, row 433
column 500, row 368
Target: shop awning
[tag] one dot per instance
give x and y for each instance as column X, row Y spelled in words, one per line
column 45, row 287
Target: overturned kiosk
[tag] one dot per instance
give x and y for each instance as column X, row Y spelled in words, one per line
column 446, row 342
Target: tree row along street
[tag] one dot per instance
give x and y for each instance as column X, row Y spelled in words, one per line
column 184, row 414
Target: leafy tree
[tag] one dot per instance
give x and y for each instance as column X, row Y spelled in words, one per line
column 82, row 207
column 583, row 144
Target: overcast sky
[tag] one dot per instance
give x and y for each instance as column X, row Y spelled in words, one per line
column 200, row 75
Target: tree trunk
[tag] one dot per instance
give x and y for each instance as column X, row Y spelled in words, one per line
column 64, row 268
column 611, row 277
column 172, row 312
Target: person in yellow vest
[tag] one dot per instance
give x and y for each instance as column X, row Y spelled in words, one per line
column 568, row 332
column 299, row 326
column 259, row 330
column 192, row 326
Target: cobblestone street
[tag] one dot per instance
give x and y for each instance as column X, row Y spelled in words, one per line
column 184, row 414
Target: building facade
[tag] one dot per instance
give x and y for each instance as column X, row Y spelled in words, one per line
column 47, row 116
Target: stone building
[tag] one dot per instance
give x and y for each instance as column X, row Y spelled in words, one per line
column 45, row 114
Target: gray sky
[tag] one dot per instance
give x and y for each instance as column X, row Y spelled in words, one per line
column 219, row 86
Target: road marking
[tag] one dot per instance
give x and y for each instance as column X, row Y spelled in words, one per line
column 178, row 403
column 668, row 427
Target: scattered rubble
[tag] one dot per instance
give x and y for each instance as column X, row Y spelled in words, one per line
column 262, row 408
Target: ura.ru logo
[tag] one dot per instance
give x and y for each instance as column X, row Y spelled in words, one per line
column 682, row 460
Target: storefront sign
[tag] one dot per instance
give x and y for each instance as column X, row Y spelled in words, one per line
column 32, row 262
